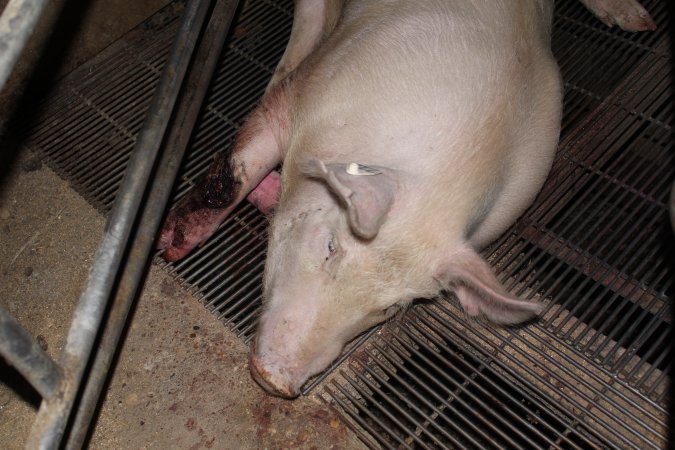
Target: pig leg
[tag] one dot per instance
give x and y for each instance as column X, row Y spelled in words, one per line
column 229, row 180
column 265, row 196
column 312, row 20
column 627, row 14
column 258, row 148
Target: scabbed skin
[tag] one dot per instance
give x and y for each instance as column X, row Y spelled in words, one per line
column 198, row 214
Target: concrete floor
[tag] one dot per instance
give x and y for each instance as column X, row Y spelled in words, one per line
column 181, row 380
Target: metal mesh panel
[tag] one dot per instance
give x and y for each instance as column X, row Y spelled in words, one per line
column 434, row 381
column 596, row 245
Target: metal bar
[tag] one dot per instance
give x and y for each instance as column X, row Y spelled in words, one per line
column 359, row 432
column 17, row 23
column 477, row 379
column 49, row 426
column 392, row 411
column 480, row 381
column 360, row 421
column 363, row 409
column 466, row 428
column 523, row 360
column 356, row 343
column 22, row 351
column 187, row 112
column 590, row 266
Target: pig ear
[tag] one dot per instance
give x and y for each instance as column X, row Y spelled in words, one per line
column 479, row 291
column 366, row 191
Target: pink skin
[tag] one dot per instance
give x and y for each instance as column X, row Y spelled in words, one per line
column 265, row 196
column 185, row 232
column 629, row 15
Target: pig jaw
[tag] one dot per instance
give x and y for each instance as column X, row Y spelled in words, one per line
column 300, row 337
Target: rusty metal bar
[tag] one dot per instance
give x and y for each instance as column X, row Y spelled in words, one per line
column 363, row 409
column 477, row 380
column 50, row 423
column 185, row 117
column 17, row 24
column 527, row 362
column 591, row 267
column 22, row 351
column 356, row 343
column 422, row 318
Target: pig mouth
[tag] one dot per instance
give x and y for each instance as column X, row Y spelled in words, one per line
column 267, row 380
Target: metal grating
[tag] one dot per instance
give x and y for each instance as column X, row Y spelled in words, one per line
column 596, row 245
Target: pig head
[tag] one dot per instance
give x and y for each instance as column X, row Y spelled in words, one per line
column 340, row 261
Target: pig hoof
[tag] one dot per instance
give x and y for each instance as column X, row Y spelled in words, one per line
column 174, row 240
column 629, row 15
column 266, row 381
column 185, row 229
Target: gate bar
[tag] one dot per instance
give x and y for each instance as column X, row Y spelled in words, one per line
column 22, row 351
column 17, row 23
column 50, row 423
column 185, row 117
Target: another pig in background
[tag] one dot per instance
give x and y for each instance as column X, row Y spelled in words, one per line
column 412, row 134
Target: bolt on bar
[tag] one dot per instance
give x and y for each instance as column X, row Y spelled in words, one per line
column 187, row 112
column 20, row 350
column 50, row 423
column 17, row 23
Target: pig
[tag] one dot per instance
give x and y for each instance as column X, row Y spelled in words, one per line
column 412, row 134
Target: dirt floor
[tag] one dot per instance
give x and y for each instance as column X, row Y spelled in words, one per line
column 182, row 378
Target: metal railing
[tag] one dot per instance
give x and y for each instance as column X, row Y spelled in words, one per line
column 17, row 24
column 120, row 261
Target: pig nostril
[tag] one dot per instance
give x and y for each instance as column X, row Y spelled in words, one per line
column 264, row 379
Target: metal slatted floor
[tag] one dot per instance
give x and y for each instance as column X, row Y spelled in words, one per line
column 596, row 246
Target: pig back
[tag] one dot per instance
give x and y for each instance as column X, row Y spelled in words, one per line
column 447, row 92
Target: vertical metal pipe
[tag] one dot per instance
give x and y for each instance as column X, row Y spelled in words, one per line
column 185, row 117
column 17, row 23
column 50, row 423
column 23, row 352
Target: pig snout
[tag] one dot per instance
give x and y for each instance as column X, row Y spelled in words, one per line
column 272, row 381
column 286, row 353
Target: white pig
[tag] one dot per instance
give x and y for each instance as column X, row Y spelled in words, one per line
column 412, row 134
column 421, row 131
